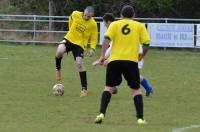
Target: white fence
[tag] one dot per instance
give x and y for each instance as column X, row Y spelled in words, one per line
column 27, row 28
column 51, row 29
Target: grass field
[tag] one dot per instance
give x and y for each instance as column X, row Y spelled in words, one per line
column 27, row 103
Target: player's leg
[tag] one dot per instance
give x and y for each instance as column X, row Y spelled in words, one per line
column 143, row 81
column 78, row 56
column 131, row 74
column 83, row 76
column 147, row 86
column 58, row 58
column 105, row 99
column 113, row 78
column 107, row 54
column 138, row 102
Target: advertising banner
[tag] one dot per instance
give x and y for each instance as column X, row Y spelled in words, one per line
column 171, row 35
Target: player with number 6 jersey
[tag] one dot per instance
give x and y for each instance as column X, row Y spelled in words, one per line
column 126, row 36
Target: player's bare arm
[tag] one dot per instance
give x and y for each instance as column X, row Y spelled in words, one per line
column 105, row 46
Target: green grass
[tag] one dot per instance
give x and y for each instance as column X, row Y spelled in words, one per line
column 27, row 103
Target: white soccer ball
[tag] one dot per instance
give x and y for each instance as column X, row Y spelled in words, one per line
column 58, row 89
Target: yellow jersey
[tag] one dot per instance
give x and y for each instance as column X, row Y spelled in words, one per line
column 81, row 31
column 126, row 36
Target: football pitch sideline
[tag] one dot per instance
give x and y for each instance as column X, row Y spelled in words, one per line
column 27, row 75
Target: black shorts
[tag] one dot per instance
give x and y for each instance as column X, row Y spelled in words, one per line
column 77, row 51
column 128, row 69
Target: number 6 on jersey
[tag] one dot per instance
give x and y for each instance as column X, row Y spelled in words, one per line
column 126, row 30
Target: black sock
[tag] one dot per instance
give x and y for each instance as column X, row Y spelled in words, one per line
column 138, row 101
column 83, row 78
column 58, row 63
column 105, row 99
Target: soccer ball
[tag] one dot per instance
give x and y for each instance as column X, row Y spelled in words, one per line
column 58, row 89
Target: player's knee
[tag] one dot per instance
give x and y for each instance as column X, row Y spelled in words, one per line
column 79, row 65
column 59, row 54
column 135, row 92
column 60, row 50
column 109, row 89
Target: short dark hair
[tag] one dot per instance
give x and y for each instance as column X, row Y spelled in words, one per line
column 90, row 9
column 108, row 17
column 127, row 11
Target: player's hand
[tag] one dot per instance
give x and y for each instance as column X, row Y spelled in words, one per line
column 90, row 52
column 95, row 63
column 105, row 63
column 101, row 60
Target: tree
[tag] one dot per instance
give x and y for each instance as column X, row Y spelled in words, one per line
column 143, row 8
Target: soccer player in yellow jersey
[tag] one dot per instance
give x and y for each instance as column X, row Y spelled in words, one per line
column 126, row 36
column 82, row 28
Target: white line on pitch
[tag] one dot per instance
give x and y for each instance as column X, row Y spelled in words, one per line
column 185, row 128
column 3, row 58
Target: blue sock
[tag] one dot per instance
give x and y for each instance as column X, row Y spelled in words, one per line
column 146, row 85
